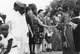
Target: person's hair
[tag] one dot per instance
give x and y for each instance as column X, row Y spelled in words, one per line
column 40, row 10
column 33, row 8
column 20, row 8
column 27, row 9
column 15, row 4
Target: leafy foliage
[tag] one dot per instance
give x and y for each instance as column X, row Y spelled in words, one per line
column 66, row 4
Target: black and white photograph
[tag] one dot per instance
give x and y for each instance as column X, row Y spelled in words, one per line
column 39, row 26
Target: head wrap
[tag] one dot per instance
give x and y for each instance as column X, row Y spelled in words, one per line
column 20, row 4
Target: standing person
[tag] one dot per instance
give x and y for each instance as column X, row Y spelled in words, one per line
column 62, row 28
column 75, row 24
column 19, row 28
column 68, row 44
column 41, row 29
column 56, row 37
column 23, row 27
column 30, row 34
column 34, row 27
column 66, row 34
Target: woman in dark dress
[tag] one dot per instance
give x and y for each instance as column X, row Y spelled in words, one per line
column 75, row 23
column 32, row 26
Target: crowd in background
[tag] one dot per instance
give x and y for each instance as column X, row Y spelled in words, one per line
column 36, row 31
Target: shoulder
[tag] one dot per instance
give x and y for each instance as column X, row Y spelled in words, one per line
column 10, row 36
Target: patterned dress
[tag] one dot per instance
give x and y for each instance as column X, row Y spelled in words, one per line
column 35, row 29
column 69, row 36
column 41, row 30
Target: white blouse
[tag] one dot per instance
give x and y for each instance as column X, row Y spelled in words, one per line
column 4, row 41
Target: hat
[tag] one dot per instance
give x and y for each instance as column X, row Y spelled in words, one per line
column 20, row 4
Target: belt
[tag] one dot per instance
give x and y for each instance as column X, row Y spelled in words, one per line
column 14, row 46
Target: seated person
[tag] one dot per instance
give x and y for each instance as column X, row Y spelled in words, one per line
column 8, row 41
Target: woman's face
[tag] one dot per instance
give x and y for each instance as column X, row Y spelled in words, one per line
column 30, row 12
column 42, row 13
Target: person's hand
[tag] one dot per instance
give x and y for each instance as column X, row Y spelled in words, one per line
column 65, row 44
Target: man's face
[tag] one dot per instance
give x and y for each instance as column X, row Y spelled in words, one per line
column 21, row 11
column 41, row 13
column 16, row 8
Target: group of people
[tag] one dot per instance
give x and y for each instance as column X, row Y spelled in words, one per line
column 33, row 32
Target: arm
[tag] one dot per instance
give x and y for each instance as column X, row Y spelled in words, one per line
column 30, row 29
column 9, row 46
column 45, row 25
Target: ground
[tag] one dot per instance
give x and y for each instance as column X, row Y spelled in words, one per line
column 53, row 52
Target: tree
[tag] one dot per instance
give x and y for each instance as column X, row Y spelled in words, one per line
column 61, row 3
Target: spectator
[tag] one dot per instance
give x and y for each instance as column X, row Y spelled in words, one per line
column 10, row 44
